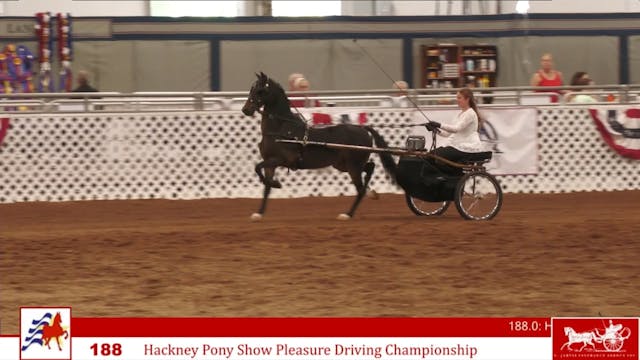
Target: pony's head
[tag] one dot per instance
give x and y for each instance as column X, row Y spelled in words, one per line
column 264, row 91
column 568, row 330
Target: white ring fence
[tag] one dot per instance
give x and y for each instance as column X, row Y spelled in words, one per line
column 212, row 154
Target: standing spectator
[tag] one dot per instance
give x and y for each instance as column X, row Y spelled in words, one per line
column 547, row 75
column 83, row 83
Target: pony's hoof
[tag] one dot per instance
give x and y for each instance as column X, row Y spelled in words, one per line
column 344, row 217
column 275, row 184
column 372, row 194
column 256, row 217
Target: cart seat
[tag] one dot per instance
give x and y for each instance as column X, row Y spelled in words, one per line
column 480, row 157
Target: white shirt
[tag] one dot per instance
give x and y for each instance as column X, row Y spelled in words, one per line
column 463, row 132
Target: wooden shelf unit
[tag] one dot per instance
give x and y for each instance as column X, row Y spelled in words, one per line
column 479, row 65
column 440, row 65
column 451, row 65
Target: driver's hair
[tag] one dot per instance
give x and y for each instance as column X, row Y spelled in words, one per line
column 468, row 94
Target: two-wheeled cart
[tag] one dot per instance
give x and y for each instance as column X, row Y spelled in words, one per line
column 613, row 337
column 431, row 182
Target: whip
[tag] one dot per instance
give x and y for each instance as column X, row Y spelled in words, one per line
column 355, row 41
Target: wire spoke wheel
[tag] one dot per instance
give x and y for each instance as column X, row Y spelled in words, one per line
column 426, row 208
column 478, row 196
column 613, row 343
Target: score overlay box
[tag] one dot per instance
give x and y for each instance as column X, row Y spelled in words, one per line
column 319, row 338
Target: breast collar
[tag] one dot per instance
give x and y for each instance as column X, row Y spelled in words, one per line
column 289, row 128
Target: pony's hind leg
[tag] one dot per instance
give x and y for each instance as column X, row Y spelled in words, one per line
column 368, row 173
column 361, row 188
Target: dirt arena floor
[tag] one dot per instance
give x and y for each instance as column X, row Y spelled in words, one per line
column 543, row 255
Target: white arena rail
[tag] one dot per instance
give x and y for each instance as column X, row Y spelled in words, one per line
column 211, row 154
column 108, row 102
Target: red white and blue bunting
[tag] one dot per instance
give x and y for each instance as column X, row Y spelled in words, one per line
column 620, row 129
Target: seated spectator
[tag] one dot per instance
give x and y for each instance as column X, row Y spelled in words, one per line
column 578, row 76
column 302, row 84
column 547, row 76
column 574, row 96
column 402, row 87
column 83, row 83
column 84, row 86
column 292, row 81
column 400, row 98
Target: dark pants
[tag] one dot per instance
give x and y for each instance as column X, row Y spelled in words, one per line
column 453, row 154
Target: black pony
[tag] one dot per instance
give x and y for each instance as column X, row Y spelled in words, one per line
column 278, row 122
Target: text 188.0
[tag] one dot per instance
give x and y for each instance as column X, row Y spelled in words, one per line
column 524, row 325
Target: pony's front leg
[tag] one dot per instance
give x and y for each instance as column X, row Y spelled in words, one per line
column 269, row 182
column 59, row 345
column 269, row 173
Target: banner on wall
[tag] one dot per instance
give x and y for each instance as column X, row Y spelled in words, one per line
column 511, row 134
column 620, row 129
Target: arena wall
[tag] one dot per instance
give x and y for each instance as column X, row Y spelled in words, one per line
column 139, row 53
column 192, row 155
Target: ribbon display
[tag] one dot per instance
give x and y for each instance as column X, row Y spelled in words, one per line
column 16, row 69
column 65, row 52
column 45, row 51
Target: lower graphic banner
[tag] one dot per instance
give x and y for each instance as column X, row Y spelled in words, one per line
column 51, row 333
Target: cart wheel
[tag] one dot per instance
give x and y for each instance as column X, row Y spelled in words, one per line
column 426, row 208
column 613, row 343
column 478, row 196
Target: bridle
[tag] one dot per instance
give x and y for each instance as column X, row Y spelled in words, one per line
column 258, row 104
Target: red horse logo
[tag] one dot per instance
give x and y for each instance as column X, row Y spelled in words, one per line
column 54, row 330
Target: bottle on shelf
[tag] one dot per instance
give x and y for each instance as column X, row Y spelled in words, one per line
column 470, row 65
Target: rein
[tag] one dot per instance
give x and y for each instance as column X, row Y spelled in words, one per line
column 398, row 126
column 305, row 138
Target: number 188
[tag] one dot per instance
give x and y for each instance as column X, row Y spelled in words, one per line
column 107, row 349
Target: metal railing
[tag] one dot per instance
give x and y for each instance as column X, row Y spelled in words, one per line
column 225, row 101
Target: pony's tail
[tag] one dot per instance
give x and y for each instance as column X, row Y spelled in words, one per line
column 387, row 160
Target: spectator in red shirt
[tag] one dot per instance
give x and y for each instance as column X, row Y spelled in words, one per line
column 547, row 76
column 292, row 81
column 302, row 84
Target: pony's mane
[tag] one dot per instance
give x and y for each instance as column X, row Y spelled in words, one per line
column 279, row 96
column 276, row 85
